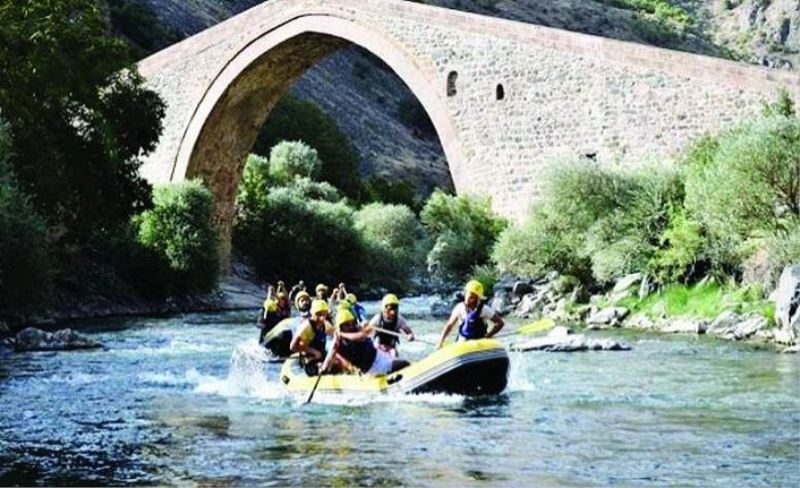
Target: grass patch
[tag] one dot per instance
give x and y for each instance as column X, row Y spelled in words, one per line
column 704, row 300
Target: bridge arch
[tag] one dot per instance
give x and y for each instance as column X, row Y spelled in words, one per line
column 234, row 107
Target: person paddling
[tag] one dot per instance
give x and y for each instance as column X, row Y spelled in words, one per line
column 390, row 320
column 353, row 348
column 471, row 316
column 268, row 316
column 311, row 335
column 303, row 303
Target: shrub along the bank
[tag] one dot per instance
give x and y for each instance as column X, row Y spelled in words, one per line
column 292, row 237
column 292, row 159
column 394, row 245
column 24, row 263
column 733, row 199
column 463, row 229
column 180, row 232
column 592, row 223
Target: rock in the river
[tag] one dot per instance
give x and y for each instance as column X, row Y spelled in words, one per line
column 639, row 321
column 521, row 288
column 33, row 339
column 608, row 317
column 792, row 350
column 440, row 308
column 724, row 324
column 560, row 340
column 749, row 327
column 684, row 325
column 787, row 305
column 501, row 303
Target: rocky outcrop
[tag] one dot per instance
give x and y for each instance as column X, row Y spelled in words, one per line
column 607, row 317
column 787, row 306
column 33, row 339
column 561, row 339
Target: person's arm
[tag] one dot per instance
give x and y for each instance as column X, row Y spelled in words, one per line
column 361, row 335
column 403, row 326
column 326, row 365
column 498, row 325
column 451, row 322
column 299, row 344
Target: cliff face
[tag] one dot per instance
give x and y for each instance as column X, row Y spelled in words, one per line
column 370, row 103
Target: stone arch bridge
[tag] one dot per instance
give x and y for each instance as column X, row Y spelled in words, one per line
column 505, row 97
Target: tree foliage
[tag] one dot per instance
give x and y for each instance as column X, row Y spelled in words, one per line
column 81, row 116
column 464, row 229
column 179, row 229
column 24, row 263
column 297, row 120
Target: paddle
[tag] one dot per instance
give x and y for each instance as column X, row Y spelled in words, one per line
column 402, row 336
column 532, row 328
column 327, row 360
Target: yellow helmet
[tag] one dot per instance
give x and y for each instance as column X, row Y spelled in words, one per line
column 318, row 306
column 475, row 287
column 390, row 299
column 320, row 288
column 351, row 297
column 344, row 315
column 300, row 295
column 270, row 305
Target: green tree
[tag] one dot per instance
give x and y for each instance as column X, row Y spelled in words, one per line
column 81, row 116
column 180, row 230
column 394, row 244
column 464, row 230
column 297, row 120
column 24, row 263
column 292, row 159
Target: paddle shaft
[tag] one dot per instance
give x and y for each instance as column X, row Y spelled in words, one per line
column 311, row 395
column 397, row 334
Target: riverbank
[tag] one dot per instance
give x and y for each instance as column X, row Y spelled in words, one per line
column 238, row 290
column 726, row 312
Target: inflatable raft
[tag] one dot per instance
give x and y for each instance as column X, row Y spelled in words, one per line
column 278, row 339
column 476, row 367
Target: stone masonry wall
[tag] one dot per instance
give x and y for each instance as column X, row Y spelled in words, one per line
column 565, row 94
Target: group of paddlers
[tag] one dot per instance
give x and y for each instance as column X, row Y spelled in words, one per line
column 361, row 345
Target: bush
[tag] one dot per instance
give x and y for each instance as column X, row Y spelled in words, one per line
column 24, row 263
column 464, row 229
column 180, row 230
column 392, row 238
column 290, row 160
column 290, row 237
column 746, row 190
column 592, row 223
column 380, row 189
column 298, row 120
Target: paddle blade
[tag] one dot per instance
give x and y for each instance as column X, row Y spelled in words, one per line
column 538, row 326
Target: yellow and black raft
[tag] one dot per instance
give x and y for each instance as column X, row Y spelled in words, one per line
column 478, row 367
column 278, row 339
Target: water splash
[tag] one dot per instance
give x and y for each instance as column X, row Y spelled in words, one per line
column 520, row 374
column 247, row 376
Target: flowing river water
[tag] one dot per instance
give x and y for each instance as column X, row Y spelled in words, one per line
column 190, row 400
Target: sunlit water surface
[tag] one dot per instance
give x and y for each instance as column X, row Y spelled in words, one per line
column 191, row 399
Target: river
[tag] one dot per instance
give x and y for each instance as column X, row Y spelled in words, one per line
column 189, row 399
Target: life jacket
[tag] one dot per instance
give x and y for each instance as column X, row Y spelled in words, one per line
column 320, row 337
column 388, row 340
column 361, row 353
column 473, row 326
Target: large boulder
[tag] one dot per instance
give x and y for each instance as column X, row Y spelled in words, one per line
column 787, row 305
column 560, row 339
column 724, row 324
column 682, row 325
column 608, row 317
column 33, row 339
column 521, row 288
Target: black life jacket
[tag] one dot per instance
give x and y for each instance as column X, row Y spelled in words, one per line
column 388, row 340
column 320, row 337
column 473, row 326
column 361, row 353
